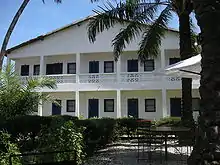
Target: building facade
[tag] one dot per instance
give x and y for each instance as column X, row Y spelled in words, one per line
column 91, row 84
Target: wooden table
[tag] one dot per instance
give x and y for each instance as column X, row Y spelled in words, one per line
column 166, row 131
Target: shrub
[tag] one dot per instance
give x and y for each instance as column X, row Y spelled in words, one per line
column 8, row 148
column 169, row 121
column 62, row 136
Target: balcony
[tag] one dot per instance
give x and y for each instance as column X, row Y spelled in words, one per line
column 93, row 78
column 136, row 77
column 59, row 78
column 98, row 78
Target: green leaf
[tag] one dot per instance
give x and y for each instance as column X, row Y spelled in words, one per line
column 152, row 37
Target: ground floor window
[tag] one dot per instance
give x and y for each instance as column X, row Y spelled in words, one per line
column 70, row 106
column 108, row 105
column 150, row 105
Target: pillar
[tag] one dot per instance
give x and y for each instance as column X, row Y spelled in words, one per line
column 118, row 69
column 41, row 65
column 164, row 103
column 118, row 103
column 77, row 67
column 77, row 103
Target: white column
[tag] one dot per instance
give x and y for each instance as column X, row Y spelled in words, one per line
column 41, row 65
column 77, row 103
column 118, row 103
column 77, row 67
column 162, row 57
column 40, row 108
column 164, row 103
column 8, row 61
column 118, row 69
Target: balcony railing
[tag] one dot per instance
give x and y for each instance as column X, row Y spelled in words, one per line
column 92, row 78
column 97, row 78
column 173, row 79
column 135, row 77
column 59, row 78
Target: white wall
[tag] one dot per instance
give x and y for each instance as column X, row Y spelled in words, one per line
column 133, row 55
column 85, row 96
column 75, row 40
column 101, row 57
column 63, row 96
column 141, row 96
column 171, row 54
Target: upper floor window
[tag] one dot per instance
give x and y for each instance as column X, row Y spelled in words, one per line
column 24, row 70
column 195, row 104
column 173, row 60
column 108, row 105
column 150, row 105
column 56, row 68
column 132, row 65
column 108, row 66
column 149, row 65
column 93, row 66
column 71, row 68
column 70, row 106
column 36, row 70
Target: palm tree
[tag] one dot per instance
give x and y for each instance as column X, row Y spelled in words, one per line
column 136, row 16
column 18, row 99
column 12, row 26
column 206, row 150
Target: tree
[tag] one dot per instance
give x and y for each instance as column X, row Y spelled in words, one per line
column 207, row 148
column 141, row 16
column 17, row 98
column 11, row 28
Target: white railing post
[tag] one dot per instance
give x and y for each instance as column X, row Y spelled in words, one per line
column 118, row 103
column 118, row 69
column 40, row 108
column 164, row 102
column 77, row 67
column 41, row 65
column 77, row 103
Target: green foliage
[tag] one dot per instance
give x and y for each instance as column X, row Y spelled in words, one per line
column 169, row 121
column 62, row 136
column 17, row 98
column 8, row 148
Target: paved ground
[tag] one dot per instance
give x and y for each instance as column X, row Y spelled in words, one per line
column 126, row 154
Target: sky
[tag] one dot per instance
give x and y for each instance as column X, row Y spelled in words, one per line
column 39, row 18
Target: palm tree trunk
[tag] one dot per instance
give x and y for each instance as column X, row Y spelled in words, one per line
column 207, row 148
column 186, row 52
column 10, row 30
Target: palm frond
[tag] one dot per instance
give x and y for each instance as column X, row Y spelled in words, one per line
column 123, row 13
column 149, row 46
column 133, row 29
column 36, row 83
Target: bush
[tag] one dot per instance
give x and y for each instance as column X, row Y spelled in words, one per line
column 169, row 121
column 8, row 148
column 62, row 136
column 27, row 130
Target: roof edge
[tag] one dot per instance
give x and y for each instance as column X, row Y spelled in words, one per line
column 42, row 37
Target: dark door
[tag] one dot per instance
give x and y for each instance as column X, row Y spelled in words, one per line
column 93, row 108
column 56, row 109
column 133, row 108
column 175, row 107
column 132, row 65
column 93, row 66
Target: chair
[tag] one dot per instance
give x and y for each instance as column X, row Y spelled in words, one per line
column 147, row 141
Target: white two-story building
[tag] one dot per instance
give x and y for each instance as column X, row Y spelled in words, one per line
column 91, row 84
